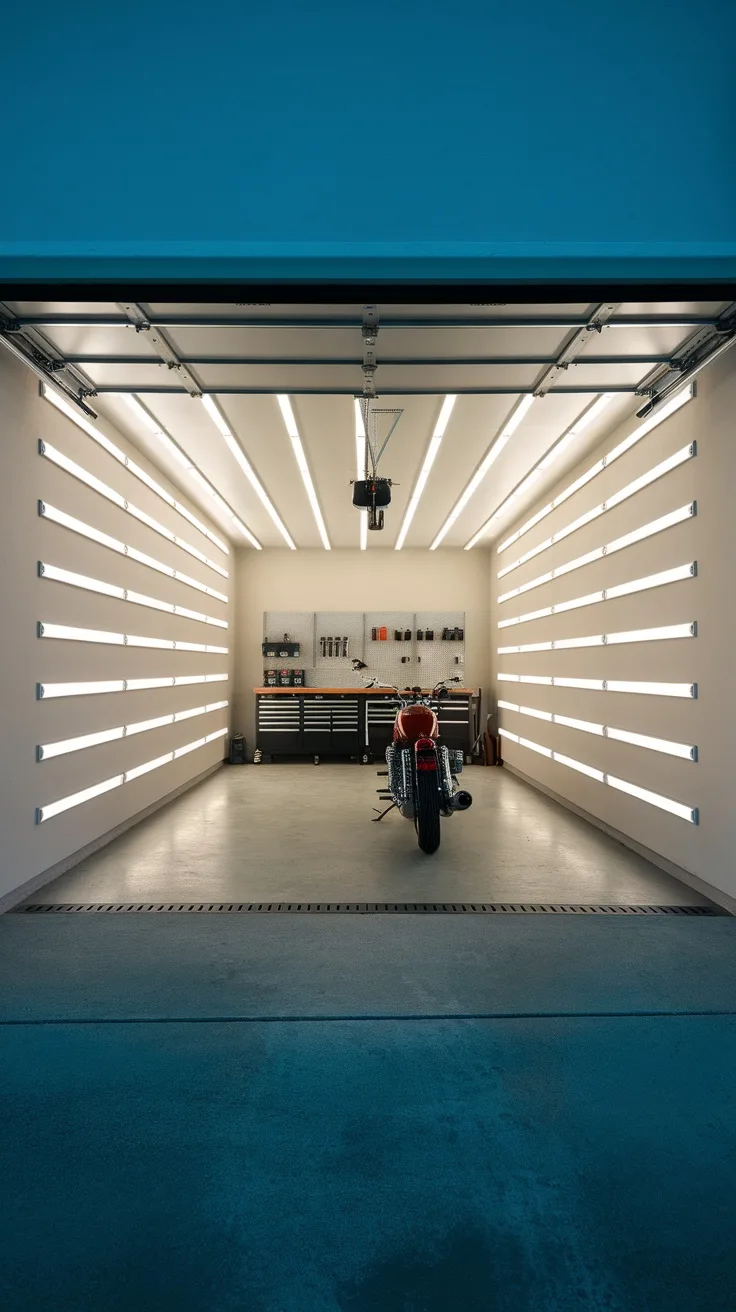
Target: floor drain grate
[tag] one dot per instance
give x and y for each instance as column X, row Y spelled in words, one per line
column 368, row 908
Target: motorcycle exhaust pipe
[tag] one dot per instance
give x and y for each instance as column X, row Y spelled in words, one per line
column 460, row 801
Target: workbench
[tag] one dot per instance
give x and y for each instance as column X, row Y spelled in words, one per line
column 351, row 723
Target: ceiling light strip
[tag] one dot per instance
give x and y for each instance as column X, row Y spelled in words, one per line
column 657, row 418
column 47, row 751
column 239, row 455
column 55, row 574
column 689, row 813
column 684, row 751
column 90, row 480
column 44, row 813
column 661, row 634
column 72, row 413
column 71, row 633
column 45, row 691
column 645, row 480
column 676, row 575
column 489, row 459
column 301, row 460
column 679, row 516
column 361, row 469
column 429, row 459
column 114, row 544
column 182, row 459
column 638, row 687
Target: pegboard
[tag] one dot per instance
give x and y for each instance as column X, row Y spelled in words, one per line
column 425, row 663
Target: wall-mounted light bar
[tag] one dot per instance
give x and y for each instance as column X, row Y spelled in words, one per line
column 489, row 459
column 76, row 799
column 90, row 480
column 429, row 459
column 660, row 634
column 649, row 530
column 361, row 470
column 682, row 750
column 238, row 453
column 676, row 575
column 664, row 467
column 55, row 574
column 123, row 549
column 47, row 751
column 182, row 459
column 73, row 634
column 553, row 454
column 654, row 420
column 97, row 436
column 689, row 813
column 301, row 460
column 643, row 687
column 44, row 691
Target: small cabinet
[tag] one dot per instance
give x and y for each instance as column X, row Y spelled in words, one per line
column 279, row 724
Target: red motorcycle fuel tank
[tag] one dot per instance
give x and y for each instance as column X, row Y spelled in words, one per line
column 414, row 722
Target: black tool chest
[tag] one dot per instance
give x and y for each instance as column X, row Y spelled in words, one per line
column 330, row 723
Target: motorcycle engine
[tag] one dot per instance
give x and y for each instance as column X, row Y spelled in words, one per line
column 399, row 779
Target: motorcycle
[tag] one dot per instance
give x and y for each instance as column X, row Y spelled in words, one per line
column 422, row 772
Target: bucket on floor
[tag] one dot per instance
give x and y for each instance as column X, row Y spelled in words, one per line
column 237, row 749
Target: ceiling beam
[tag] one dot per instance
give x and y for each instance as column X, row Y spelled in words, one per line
column 630, row 389
column 353, row 321
column 352, row 362
column 160, row 344
column 575, row 347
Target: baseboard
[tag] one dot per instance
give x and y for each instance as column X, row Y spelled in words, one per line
column 18, row 895
column 716, row 895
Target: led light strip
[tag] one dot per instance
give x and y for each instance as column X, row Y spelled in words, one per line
column 689, row 813
column 553, row 454
column 44, row 691
column 429, row 459
column 90, row 480
column 180, row 456
column 607, row 639
column 301, row 460
column 48, row 751
column 114, row 544
column 58, row 575
column 237, row 452
column 649, row 530
column 76, row 799
column 658, row 471
column 652, row 422
column 72, row 413
column 675, row 575
column 73, row 634
column 642, row 687
column 489, row 459
column 360, row 466
column 682, row 750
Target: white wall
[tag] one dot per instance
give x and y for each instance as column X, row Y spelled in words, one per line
column 29, row 848
column 355, row 580
column 706, row 850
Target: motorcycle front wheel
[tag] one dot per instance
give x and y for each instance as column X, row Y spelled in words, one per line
column 427, row 811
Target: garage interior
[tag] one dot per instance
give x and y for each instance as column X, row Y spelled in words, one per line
column 551, row 469
column 300, row 1028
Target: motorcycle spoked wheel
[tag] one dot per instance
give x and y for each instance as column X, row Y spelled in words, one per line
column 427, row 811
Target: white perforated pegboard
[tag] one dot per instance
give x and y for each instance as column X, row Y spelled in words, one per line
column 402, row 662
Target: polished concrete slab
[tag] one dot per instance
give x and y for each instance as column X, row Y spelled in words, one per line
column 564, row 1165
column 199, row 967
column 291, row 832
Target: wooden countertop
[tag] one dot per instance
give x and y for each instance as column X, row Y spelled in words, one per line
column 361, row 691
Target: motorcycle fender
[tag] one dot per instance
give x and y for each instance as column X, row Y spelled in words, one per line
column 425, row 753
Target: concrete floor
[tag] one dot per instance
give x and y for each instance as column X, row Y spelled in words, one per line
column 303, row 832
